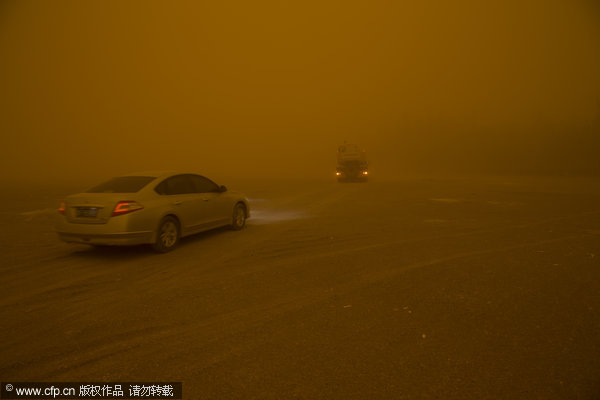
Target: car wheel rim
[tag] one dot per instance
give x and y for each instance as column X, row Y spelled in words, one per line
column 239, row 216
column 168, row 234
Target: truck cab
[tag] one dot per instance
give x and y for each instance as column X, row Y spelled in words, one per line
column 352, row 164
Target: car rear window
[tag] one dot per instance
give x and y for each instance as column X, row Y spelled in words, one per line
column 122, row 184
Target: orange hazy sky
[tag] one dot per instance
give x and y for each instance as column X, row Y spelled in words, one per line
column 246, row 88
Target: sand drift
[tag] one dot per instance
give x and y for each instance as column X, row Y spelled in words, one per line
column 417, row 289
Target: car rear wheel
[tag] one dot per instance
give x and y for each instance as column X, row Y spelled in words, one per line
column 167, row 235
column 239, row 217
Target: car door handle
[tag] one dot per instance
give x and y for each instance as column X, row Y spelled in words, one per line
column 205, row 199
column 176, row 203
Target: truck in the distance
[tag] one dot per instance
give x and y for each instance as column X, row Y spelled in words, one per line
column 352, row 164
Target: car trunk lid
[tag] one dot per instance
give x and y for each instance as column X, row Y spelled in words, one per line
column 92, row 208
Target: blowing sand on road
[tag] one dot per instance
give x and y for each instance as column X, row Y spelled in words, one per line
column 407, row 289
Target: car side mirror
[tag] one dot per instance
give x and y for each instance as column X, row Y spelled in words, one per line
column 222, row 188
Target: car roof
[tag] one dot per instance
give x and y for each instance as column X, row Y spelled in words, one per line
column 158, row 173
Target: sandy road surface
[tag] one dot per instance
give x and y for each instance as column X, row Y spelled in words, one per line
column 413, row 289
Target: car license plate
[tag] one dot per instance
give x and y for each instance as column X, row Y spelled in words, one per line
column 87, row 212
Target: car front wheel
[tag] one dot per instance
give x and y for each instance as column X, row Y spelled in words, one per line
column 239, row 217
column 167, row 236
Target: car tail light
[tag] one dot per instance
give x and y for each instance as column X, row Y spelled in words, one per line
column 338, row 173
column 125, row 207
column 62, row 207
column 365, row 173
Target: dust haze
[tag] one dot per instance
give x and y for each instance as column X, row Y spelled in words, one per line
column 94, row 89
column 466, row 267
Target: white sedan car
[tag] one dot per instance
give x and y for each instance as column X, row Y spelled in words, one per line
column 153, row 207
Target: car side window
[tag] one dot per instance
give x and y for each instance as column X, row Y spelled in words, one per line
column 204, row 185
column 179, row 184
